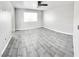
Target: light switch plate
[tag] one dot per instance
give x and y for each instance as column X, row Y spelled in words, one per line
column 78, row 27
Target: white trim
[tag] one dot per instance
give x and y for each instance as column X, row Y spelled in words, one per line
column 28, row 28
column 59, row 31
column 6, row 45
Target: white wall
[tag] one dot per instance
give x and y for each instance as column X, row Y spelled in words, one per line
column 75, row 27
column 60, row 17
column 13, row 18
column 21, row 25
column 5, row 25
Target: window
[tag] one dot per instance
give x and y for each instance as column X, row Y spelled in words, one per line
column 30, row 17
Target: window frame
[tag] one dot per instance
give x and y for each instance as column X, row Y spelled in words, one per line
column 31, row 12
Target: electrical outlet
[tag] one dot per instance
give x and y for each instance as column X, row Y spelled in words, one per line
column 5, row 38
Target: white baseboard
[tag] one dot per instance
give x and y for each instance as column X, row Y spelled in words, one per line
column 6, row 45
column 59, row 31
column 29, row 28
column 47, row 28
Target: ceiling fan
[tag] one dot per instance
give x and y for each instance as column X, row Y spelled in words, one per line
column 40, row 3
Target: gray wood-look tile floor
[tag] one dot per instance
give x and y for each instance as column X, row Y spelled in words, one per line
column 40, row 42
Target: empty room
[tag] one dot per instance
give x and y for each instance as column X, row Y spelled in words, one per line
column 39, row 28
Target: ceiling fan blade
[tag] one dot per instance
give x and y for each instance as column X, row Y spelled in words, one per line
column 40, row 3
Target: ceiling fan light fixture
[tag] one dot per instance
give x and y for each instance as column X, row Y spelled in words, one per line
column 40, row 3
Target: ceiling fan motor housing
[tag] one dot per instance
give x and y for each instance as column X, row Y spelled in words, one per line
column 40, row 3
